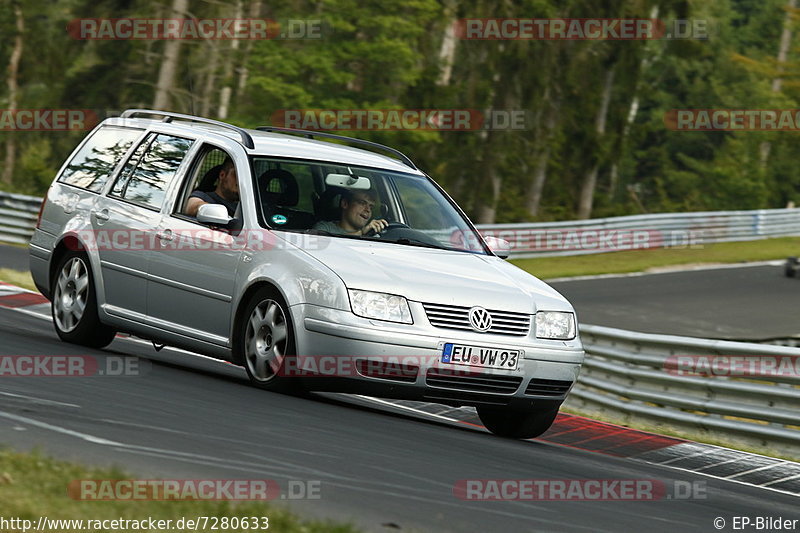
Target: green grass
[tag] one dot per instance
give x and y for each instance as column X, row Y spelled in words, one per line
column 20, row 278
column 644, row 260
column 33, row 485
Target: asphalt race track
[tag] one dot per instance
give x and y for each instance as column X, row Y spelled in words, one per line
column 15, row 257
column 189, row 417
column 738, row 303
column 383, row 468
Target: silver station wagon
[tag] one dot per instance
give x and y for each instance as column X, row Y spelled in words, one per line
column 314, row 264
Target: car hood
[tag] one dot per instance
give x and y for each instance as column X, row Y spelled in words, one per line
column 436, row 276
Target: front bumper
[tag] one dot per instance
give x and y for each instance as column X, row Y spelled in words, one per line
column 345, row 353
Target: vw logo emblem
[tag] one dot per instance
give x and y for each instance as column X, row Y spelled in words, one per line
column 480, row 319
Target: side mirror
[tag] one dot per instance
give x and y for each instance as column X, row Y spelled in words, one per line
column 500, row 247
column 215, row 214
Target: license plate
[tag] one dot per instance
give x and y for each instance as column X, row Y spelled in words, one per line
column 480, row 356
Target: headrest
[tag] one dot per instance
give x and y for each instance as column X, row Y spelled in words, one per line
column 209, row 181
column 279, row 187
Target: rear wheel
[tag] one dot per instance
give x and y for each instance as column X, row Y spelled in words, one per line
column 265, row 342
column 74, row 304
column 517, row 424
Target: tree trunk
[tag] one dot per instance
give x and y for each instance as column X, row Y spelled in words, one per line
column 13, row 87
column 447, row 54
column 534, row 199
column 586, row 198
column 783, row 51
column 487, row 206
column 633, row 110
column 227, row 76
column 244, row 73
column 169, row 65
column 210, row 80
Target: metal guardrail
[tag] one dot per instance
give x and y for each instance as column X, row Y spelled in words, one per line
column 658, row 230
column 18, row 214
column 654, row 377
column 574, row 237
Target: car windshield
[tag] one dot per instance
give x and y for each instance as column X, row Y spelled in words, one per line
column 341, row 201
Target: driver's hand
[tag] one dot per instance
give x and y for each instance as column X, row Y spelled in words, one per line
column 375, row 226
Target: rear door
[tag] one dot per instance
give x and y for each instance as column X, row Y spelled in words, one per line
column 126, row 220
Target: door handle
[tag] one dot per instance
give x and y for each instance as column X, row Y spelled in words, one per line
column 165, row 235
column 101, row 216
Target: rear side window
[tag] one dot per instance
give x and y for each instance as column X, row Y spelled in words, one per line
column 96, row 160
column 146, row 184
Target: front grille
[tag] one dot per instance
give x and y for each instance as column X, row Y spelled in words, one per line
column 459, row 380
column 547, row 387
column 457, row 317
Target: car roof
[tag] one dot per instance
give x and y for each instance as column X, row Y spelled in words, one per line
column 285, row 145
column 278, row 144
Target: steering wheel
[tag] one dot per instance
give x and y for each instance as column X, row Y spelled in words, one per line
column 391, row 226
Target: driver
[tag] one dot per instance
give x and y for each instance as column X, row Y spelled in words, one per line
column 356, row 214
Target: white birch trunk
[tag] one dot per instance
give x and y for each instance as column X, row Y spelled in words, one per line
column 586, row 198
column 13, row 87
column 169, row 65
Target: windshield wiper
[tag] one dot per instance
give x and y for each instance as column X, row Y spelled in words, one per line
column 417, row 242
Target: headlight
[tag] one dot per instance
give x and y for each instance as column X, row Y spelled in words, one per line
column 380, row 306
column 555, row 325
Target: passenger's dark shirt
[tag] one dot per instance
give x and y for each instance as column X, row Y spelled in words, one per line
column 214, row 198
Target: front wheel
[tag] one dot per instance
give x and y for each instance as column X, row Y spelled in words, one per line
column 265, row 342
column 74, row 305
column 517, row 424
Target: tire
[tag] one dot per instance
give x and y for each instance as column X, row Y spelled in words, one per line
column 791, row 266
column 264, row 342
column 517, row 424
column 74, row 304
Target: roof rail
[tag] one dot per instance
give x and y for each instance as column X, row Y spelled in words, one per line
column 312, row 134
column 247, row 140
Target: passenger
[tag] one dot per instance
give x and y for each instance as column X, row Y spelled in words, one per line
column 226, row 193
column 356, row 214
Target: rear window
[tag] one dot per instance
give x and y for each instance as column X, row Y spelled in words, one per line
column 146, row 183
column 94, row 163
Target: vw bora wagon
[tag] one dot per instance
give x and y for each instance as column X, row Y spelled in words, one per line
column 419, row 306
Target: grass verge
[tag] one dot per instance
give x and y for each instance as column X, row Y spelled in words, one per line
column 20, row 278
column 33, row 485
column 644, row 260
